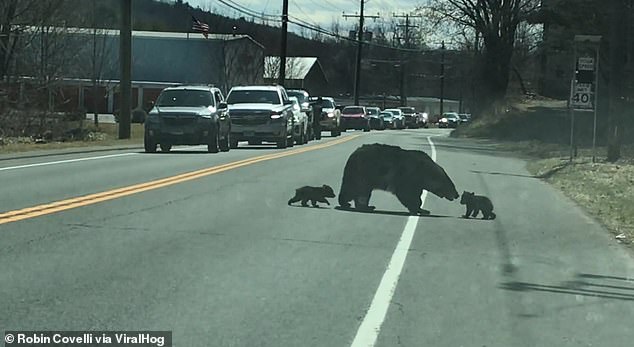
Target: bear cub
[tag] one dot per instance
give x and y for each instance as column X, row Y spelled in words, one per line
column 477, row 203
column 314, row 194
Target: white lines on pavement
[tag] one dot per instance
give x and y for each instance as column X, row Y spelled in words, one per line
column 65, row 161
column 371, row 325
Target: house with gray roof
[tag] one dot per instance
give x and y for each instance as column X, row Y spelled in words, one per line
column 301, row 72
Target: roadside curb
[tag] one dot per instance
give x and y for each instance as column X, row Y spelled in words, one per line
column 64, row 151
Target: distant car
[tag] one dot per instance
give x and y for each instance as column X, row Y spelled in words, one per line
column 355, row 117
column 300, row 127
column 399, row 120
column 188, row 115
column 464, row 117
column 330, row 115
column 411, row 117
column 376, row 121
column 304, row 101
column 424, row 119
column 388, row 120
column 261, row 114
column 449, row 120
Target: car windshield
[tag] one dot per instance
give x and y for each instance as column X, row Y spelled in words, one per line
column 372, row 111
column 463, row 116
column 408, row 110
column 325, row 103
column 386, row 114
column 185, row 98
column 253, row 97
column 353, row 110
column 301, row 97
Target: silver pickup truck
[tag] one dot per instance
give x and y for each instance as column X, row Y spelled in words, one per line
column 261, row 114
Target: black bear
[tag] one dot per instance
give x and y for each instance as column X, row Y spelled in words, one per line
column 314, row 194
column 404, row 173
column 475, row 204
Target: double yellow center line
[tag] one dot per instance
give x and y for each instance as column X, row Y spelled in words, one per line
column 67, row 204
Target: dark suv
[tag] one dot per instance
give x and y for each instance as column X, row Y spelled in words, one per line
column 188, row 115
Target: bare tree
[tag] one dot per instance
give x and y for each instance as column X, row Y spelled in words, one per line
column 243, row 63
column 496, row 22
column 15, row 15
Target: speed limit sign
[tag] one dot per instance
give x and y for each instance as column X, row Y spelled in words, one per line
column 582, row 96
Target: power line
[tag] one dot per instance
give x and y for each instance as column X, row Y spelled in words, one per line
column 306, row 25
column 249, row 12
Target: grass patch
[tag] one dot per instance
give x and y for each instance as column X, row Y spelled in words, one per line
column 540, row 131
column 108, row 136
column 604, row 190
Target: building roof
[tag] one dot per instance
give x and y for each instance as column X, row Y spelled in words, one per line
column 296, row 67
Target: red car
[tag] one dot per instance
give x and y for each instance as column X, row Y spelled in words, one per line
column 355, row 117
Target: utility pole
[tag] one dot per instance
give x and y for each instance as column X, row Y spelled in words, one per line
column 282, row 76
column 125, row 58
column 442, row 78
column 408, row 45
column 357, row 71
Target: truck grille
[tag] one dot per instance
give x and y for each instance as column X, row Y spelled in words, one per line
column 249, row 120
column 178, row 121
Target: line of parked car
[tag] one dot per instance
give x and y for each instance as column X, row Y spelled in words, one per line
column 201, row 115
column 368, row 118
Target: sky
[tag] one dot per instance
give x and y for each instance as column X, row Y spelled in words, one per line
column 320, row 12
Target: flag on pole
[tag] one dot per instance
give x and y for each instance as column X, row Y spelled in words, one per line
column 200, row 27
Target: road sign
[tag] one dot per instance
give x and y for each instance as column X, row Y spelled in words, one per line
column 582, row 93
column 585, row 64
column 582, row 97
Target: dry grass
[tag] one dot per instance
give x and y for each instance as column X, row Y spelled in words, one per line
column 604, row 190
column 109, row 138
column 539, row 130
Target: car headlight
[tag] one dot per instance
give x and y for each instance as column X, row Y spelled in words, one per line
column 331, row 114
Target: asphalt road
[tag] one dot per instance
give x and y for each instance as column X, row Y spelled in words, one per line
column 218, row 257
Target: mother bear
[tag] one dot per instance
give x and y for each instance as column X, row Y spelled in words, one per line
column 404, row 173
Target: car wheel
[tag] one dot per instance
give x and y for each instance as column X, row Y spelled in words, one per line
column 166, row 147
column 290, row 142
column 212, row 145
column 225, row 144
column 149, row 144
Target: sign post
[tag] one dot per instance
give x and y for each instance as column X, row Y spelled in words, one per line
column 584, row 87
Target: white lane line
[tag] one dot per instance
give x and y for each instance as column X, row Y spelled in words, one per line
column 371, row 325
column 64, row 161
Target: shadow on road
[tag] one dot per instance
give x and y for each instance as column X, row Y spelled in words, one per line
column 311, row 207
column 598, row 286
column 390, row 213
column 176, row 152
column 502, row 174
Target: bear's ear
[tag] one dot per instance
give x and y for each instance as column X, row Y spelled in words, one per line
column 472, row 193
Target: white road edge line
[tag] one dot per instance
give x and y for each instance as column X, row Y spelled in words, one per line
column 371, row 325
column 64, row 161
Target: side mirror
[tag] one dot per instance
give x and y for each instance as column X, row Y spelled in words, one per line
column 222, row 106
